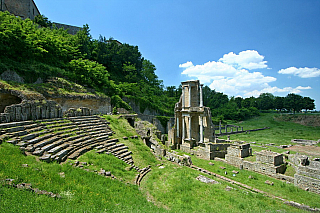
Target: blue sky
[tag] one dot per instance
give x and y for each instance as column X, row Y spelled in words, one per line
column 238, row 47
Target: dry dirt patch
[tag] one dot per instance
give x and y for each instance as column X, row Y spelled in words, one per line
column 308, row 150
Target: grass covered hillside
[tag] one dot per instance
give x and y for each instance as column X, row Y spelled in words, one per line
column 168, row 187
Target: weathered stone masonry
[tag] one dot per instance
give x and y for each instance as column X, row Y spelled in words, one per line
column 193, row 120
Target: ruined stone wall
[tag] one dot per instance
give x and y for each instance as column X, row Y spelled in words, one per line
column 255, row 166
column 307, row 172
column 31, row 110
column 98, row 106
column 184, row 160
column 270, row 157
column 71, row 29
column 307, row 183
column 23, row 8
column 82, row 111
column 239, row 150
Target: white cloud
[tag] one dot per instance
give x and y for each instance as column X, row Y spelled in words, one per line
column 301, row 72
column 209, row 71
column 186, row 65
column 230, row 75
column 273, row 90
column 249, row 59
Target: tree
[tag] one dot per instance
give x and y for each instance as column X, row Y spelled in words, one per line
column 238, row 101
column 293, row 102
column 308, row 103
column 84, row 41
column 266, row 101
column 42, row 21
column 279, row 103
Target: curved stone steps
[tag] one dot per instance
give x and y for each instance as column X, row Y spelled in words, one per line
column 46, row 142
column 48, row 148
column 59, row 139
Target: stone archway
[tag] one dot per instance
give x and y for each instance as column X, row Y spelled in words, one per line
column 7, row 100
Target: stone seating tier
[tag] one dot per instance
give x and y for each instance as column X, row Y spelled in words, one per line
column 59, row 139
column 14, row 124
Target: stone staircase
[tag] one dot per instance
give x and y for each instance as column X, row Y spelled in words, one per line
column 59, row 139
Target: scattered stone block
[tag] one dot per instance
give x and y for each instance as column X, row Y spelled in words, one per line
column 62, row 175
column 25, row 165
column 210, row 163
column 235, row 172
column 206, row 180
column 228, row 188
column 269, row 182
column 221, row 167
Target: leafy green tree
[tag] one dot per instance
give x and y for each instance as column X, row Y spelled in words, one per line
column 88, row 73
column 84, row 41
column 266, row 101
column 293, row 102
column 238, row 101
column 42, row 21
column 308, row 103
column 279, row 103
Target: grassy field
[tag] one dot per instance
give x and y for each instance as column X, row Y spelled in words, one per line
column 280, row 132
column 170, row 188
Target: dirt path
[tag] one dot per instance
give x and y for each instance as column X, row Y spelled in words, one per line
column 308, row 150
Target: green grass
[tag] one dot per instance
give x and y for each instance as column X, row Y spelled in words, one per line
column 280, row 132
column 280, row 188
column 141, row 154
column 176, row 188
column 171, row 189
column 109, row 163
column 81, row 191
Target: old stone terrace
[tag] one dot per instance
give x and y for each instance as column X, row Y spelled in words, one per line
column 59, row 139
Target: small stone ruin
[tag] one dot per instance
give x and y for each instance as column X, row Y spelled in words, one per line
column 307, row 172
column 267, row 162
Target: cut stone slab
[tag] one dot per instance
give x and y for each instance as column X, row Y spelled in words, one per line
column 206, row 180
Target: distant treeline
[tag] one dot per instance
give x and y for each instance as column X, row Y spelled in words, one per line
column 224, row 108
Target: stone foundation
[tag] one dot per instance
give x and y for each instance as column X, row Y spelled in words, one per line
column 307, row 183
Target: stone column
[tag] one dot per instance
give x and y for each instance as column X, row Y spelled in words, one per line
column 201, row 98
column 189, row 95
column 226, row 127
column 183, row 94
column 201, row 129
column 190, row 126
column 183, row 128
column 241, row 128
column 178, row 127
column 220, row 127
